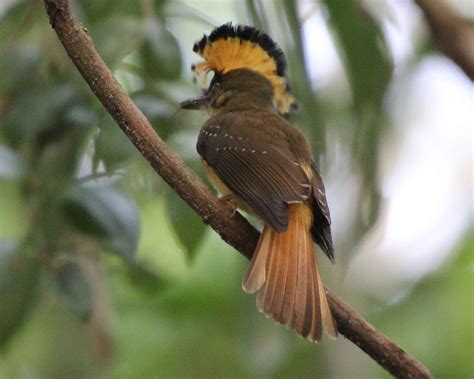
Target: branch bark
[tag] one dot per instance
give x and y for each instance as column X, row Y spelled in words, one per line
column 453, row 34
column 235, row 230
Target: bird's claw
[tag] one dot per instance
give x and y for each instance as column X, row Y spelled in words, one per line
column 231, row 202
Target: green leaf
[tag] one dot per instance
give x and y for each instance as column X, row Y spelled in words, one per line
column 11, row 164
column 19, row 277
column 96, row 11
column 369, row 68
column 82, row 113
column 143, row 277
column 15, row 211
column 129, row 36
column 153, row 106
column 21, row 63
column 161, row 57
column 104, row 213
column 35, row 111
column 19, row 18
column 364, row 51
column 159, row 112
column 112, row 147
column 310, row 117
column 160, row 250
column 188, row 225
column 72, row 289
column 188, row 12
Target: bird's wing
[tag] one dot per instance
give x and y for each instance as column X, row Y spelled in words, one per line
column 256, row 165
column 321, row 228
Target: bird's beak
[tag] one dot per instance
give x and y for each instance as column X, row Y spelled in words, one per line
column 195, row 103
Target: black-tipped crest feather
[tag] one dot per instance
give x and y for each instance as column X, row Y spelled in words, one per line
column 230, row 47
column 246, row 33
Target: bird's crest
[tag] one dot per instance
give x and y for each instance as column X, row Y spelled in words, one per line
column 230, row 47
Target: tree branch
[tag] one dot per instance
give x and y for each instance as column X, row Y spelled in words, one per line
column 453, row 34
column 235, row 230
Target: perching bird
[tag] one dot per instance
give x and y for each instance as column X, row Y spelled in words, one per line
column 261, row 161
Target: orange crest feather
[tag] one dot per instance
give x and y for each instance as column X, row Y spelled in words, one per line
column 231, row 47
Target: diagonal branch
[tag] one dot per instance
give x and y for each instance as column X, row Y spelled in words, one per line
column 453, row 34
column 235, row 230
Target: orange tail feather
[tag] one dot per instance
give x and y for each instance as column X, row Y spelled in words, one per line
column 284, row 271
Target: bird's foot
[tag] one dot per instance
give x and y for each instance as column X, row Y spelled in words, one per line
column 231, row 202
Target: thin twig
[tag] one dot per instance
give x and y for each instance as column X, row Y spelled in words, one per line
column 453, row 34
column 233, row 229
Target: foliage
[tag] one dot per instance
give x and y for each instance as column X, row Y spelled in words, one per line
column 85, row 223
column 444, row 312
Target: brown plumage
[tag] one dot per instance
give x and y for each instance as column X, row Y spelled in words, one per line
column 284, row 271
column 254, row 154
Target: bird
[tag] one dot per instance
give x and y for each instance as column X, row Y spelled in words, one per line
column 262, row 164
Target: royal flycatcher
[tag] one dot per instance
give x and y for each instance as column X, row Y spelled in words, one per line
column 254, row 155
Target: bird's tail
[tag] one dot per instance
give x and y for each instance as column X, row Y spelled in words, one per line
column 284, row 271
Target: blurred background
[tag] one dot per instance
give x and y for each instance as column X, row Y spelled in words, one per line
column 105, row 272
